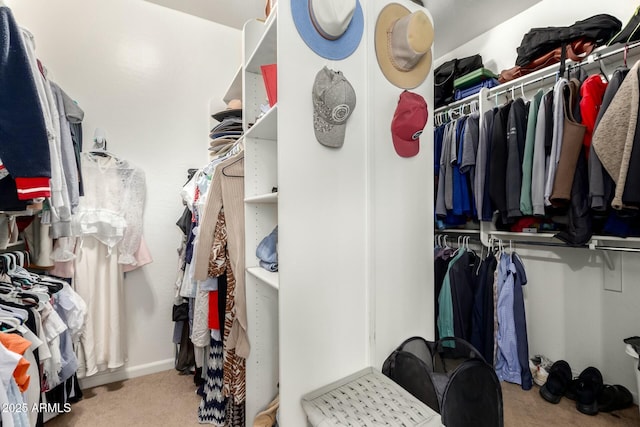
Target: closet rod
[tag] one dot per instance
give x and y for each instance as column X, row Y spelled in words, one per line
column 592, row 58
column 616, row 249
column 454, row 104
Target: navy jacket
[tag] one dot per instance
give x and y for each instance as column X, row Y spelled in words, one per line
column 24, row 144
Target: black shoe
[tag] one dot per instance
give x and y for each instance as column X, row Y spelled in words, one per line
column 588, row 387
column 571, row 390
column 613, row 398
column 557, row 382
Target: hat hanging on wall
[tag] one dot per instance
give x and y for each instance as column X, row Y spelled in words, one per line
column 408, row 123
column 234, row 109
column 403, row 45
column 331, row 28
column 333, row 103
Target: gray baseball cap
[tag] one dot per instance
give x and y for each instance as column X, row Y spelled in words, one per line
column 333, row 102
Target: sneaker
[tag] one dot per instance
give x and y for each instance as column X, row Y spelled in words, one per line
column 542, row 360
column 539, row 366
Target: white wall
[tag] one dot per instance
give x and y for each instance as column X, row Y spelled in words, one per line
column 322, row 238
column 569, row 314
column 354, row 242
column 400, row 200
column 145, row 74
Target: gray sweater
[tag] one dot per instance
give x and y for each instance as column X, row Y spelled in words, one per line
column 558, row 129
column 538, row 170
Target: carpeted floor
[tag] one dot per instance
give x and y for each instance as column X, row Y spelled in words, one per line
column 164, row 399
column 529, row 409
column 168, row 399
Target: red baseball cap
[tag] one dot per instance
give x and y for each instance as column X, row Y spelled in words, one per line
column 408, row 123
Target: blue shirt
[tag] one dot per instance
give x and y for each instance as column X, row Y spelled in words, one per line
column 507, row 363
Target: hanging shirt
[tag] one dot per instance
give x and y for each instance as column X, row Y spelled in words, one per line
column 507, row 363
column 482, row 154
column 19, row 345
column 441, row 264
column 482, row 314
column 444, row 172
column 558, row 129
column 600, row 183
column 471, row 135
column 462, row 282
column 540, row 158
column 461, row 195
column 526, row 206
column 445, row 302
column 520, row 322
column 438, row 135
column 592, row 92
column 113, row 205
column 516, row 134
column 498, row 162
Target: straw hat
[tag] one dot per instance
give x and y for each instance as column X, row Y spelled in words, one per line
column 403, row 45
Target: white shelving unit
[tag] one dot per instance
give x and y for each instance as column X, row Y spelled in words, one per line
column 261, row 215
column 267, row 277
column 263, row 198
column 235, row 88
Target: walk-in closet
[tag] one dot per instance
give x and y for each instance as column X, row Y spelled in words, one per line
column 283, row 213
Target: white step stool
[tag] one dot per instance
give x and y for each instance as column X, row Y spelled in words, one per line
column 367, row 398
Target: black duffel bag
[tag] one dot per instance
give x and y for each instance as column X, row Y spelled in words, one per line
column 446, row 73
column 539, row 41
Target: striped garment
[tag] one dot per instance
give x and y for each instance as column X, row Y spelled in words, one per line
column 213, row 404
column 234, row 384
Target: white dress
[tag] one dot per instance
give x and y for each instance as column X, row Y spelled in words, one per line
column 99, row 281
column 109, row 225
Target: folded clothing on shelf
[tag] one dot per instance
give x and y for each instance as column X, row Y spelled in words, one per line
column 473, row 78
column 463, row 93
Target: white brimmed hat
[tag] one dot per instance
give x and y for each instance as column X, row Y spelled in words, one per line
column 331, row 28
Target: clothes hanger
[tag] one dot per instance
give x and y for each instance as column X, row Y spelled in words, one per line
column 9, row 324
column 603, row 72
column 100, row 144
column 231, row 164
column 53, row 285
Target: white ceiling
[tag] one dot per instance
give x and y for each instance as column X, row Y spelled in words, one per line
column 232, row 13
column 456, row 21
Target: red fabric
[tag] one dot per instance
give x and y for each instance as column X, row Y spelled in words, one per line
column 33, row 187
column 214, row 318
column 525, row 222
column 592, row 92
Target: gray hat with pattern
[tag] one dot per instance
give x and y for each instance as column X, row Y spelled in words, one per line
column 333, row 102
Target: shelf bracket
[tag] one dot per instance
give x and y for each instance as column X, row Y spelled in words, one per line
column 593, row 245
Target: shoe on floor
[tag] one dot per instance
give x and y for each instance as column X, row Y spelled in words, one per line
column 539, row 373
column 588, row 387
column 613, row 398
column 542, row 360
column 267, row 418
column 571, row 390
column 557, row 382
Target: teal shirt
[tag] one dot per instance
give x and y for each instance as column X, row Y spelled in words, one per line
column 445, row 301
column 526, row 207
